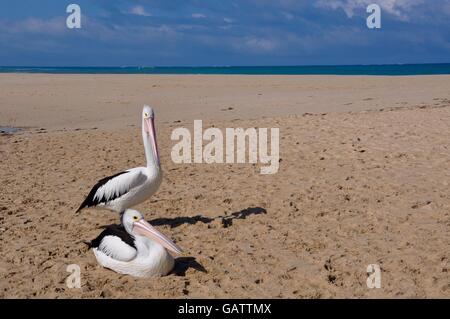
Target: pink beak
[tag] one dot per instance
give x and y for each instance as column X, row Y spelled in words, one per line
column 149, row 127
column 145, row 229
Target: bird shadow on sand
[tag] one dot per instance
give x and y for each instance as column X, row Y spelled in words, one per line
column 182, row 264
column 226, row 220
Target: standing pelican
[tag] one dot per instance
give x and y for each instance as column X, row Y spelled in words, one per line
column 134, row 248
column 131, row 187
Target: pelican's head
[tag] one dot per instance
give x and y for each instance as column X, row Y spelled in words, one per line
column 135, row 224
column 148, row 121
column 147, row 112
column 148, row 118
column 148, row 130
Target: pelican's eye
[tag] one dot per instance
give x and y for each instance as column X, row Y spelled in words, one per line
column 146, row 114
column 135, row 217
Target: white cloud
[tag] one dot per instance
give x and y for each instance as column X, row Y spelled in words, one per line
column 397, row 8
column 198, row 16
column 259, row 44
column 139, row 11
column 287, row 15
column 53, row 26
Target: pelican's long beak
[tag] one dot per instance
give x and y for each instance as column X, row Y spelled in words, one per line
column 143, row 228
column 149, row 127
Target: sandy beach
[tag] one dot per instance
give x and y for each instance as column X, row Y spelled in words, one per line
column 363, row 179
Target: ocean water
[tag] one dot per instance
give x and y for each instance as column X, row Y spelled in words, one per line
column 393, row 69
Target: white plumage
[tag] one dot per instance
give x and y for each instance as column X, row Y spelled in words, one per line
column 115, row 248
column 128, row 189
column 121, row 184
column 131, row 187
column 152, row 262
column 135, row 248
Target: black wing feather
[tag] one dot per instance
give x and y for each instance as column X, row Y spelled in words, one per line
column 113, row 230
column 90, row 200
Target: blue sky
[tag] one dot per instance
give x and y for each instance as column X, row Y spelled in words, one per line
column 213, row 32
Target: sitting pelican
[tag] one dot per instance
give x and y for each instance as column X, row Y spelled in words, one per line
column 131, row 187
column 134, row 248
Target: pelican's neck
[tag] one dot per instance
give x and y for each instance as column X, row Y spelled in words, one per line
column 152, row 258
column 152, row 161
column 146, row 247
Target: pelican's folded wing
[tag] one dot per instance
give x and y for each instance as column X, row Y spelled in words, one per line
column 112, row 187
column 116, row 243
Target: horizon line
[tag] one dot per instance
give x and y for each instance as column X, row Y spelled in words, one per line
column 220, row 66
